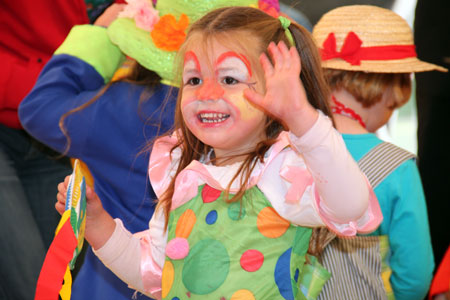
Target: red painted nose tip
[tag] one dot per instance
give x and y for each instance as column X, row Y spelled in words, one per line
column 210, row 90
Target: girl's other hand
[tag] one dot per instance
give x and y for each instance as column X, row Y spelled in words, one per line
column 94, row 206
column 285, row 97
column 109, row 15
column 99, row 224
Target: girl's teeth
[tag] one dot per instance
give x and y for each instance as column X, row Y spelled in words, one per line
column 213, row 117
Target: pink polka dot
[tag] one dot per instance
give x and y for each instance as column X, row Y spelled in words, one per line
column 177, row 248
column 210, row 194
column 252, row 260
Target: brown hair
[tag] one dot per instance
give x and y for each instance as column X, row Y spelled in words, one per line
column 369, row 88
column 224, row 22
column 138, row 75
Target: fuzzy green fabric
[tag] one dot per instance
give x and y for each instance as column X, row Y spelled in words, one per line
column 91, row 44
column 138, row 44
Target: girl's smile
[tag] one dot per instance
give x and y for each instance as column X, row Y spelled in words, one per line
column 213, row 104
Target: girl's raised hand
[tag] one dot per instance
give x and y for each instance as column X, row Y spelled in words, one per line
column 285, row 98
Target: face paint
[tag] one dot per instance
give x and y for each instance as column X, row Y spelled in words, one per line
column 241, row 57
column 210, row 90
column 190, row 56
column 230, row 65
column 213, row 104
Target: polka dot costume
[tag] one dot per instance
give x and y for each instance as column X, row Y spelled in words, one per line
column 232, row 251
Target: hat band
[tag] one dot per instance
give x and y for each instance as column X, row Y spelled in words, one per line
column 353, row 53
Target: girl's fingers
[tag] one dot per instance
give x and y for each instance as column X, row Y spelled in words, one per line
column 267, row 65
column 61, row 198
column 286, row 54
column 60, row 204
column 60, row 208
column 276, row 55
column 253, row 97
column 91, row 196
column 62, row 188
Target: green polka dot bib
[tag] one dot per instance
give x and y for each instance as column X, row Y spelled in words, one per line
column 233, row 251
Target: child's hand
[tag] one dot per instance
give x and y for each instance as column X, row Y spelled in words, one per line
column 61, row 196
column 99, row 224
column 94, row 206
column 109, row 15
column 285, row 97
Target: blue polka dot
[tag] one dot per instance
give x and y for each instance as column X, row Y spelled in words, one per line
column 211, row 218
column 283, row 275
column 297, row 272
column 175, row 298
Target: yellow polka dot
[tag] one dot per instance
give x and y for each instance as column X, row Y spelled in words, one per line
column 167, row 278
column 185, row 224
column 243, row 295
column 270, row 224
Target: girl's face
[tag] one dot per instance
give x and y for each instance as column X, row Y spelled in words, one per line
column 213, row 104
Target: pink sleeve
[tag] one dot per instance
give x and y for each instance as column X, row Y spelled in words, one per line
column 365, row 224
column 343, row 198
column 137, row 259
column 163, row 163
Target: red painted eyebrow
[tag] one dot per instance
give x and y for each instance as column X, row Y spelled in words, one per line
column 191, row 56
column 239, row 56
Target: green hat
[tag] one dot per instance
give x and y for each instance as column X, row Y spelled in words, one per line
column 155, row 49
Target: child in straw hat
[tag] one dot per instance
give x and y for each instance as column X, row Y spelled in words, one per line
column 108, row 125
column 368, row 55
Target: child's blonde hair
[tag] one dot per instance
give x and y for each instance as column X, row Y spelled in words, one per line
column 222, row 23
column 369, row 88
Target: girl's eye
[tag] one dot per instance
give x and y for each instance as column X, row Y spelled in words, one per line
column 230, row 80
column 194, row 81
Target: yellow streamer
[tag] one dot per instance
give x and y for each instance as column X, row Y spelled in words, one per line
column 66, row 289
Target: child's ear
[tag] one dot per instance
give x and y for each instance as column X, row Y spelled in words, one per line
column 389, row 101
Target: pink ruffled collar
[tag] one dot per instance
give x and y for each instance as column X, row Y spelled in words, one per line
column 163, row 166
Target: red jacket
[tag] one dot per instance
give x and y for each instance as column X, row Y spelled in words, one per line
column 30, row 31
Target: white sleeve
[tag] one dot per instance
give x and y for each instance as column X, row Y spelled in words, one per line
column 137, row 259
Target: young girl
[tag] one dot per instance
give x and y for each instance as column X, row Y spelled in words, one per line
column 109, row 124
column 237, row 194
column 368, row 55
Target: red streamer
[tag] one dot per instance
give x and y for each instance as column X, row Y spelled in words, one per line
column 55, row 264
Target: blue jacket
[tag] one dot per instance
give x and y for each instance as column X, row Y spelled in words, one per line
column 108, row 136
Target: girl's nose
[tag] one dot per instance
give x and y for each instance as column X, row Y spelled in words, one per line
column 210, row 90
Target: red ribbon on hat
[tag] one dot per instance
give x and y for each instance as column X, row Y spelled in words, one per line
column 353, row 53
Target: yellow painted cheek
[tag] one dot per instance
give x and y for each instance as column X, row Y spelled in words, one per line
column 247, row 110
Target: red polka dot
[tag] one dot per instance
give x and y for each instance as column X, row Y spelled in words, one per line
column 252, row 260
column 210, row 194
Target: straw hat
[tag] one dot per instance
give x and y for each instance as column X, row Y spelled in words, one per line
column 368, row 38
column 152, row 39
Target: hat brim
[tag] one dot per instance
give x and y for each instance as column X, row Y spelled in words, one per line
column 141, row 48
column 406, row 65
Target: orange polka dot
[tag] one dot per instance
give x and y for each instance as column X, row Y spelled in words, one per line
column 168, row 275
column 185, row 224
column 270, row 224
column 243, row 295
